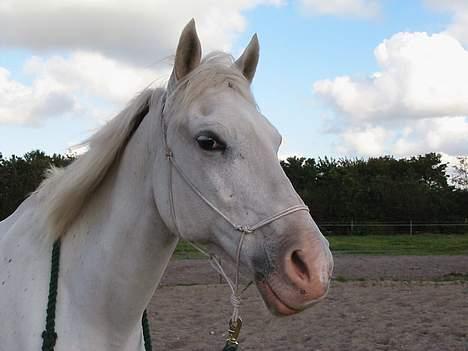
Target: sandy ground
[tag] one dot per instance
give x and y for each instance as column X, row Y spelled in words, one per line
column 377, row 303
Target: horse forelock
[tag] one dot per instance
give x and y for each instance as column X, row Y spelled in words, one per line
column 215, row 70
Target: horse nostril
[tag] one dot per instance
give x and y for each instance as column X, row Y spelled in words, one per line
column 299, row 265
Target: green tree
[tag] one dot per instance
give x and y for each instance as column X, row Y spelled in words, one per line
column 19, row 176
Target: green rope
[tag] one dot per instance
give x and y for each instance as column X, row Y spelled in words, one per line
column 49, row 336
column 230, row 346
column 146, row 331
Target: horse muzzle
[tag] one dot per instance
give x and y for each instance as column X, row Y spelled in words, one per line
column 301, row 279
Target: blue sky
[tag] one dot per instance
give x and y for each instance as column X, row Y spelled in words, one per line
column 319, row 80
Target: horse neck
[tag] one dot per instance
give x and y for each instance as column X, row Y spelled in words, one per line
column 115, row 254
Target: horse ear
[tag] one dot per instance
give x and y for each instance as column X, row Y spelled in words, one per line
column 247, row 62
column 188, row 54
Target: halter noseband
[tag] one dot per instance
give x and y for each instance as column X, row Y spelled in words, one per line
column 235, row 322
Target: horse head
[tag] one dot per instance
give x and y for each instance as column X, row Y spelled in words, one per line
column 221, row 164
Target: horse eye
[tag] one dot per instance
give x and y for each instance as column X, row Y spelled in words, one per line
column 209, row 143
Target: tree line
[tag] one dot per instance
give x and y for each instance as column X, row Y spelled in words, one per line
column 380, row 189
column 19, row 176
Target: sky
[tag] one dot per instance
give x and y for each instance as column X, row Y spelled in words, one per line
column 340, row 78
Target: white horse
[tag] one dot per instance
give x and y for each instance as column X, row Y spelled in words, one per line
column 190, row 161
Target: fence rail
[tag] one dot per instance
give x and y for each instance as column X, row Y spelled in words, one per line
column 409, row 227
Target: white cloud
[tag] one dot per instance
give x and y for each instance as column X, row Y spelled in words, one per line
column 369, row 141
column 446, row 135
column 109, row 50
column 351, row 8
column 459, row 26
column 71, row 85
column 421, row 76
column 416, row 103
column 94, row 75
column 23, row 104
column 140, row 31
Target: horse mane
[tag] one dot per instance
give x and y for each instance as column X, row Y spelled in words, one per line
column 65, row 191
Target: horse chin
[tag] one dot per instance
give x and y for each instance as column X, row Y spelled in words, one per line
column 273, row 301
column 284, row 301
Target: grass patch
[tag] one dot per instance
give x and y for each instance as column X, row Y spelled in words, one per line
column 454, row 277
column 391, row 245
column 417, row 245
column 185, row 251
column 450, row 277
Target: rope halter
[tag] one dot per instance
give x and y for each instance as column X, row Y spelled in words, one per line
column 235, row 322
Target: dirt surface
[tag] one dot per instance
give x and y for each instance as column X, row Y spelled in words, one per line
column 350, row 267
column 401, row 305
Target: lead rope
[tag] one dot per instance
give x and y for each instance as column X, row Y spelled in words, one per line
column 49, row 335
column 146, row 331
column 235, row 322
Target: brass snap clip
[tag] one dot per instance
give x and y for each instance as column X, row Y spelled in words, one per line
column 234, row 331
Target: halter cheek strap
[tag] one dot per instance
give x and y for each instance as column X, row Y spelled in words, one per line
column 235, row 322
